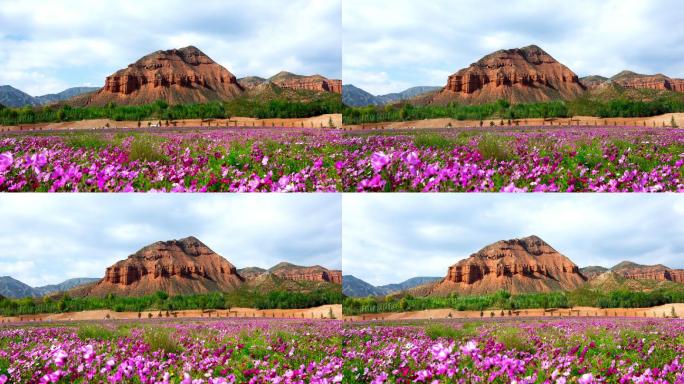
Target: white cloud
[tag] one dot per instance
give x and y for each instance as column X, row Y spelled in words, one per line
column 46, row 45
column 401, row 37
column 45, row 239
column 390, row 238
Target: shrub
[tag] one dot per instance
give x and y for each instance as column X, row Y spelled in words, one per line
column 495, row 148
column 146, row 148
column 160, row 339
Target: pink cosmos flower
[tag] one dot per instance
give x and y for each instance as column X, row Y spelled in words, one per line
column 379, row 160
column 59, row 357
column 6, row 161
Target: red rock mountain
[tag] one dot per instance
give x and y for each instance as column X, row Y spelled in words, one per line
column 519, row 265
column 287, row 80
column 316, row 83
column 629, row 79
column 657, row 272
column 290, row 271
column 183, row 75
column 182, row 266
column 518, row 75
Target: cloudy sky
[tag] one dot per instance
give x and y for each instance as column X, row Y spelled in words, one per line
column 390, row 45
column 387, row 239
column 47, row 239
column 48, row 46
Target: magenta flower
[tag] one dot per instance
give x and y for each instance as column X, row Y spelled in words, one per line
column 379, row 160
column 6, row 161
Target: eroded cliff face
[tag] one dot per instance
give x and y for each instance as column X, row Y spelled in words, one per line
column 182, row 266
column 518, row 75
column 519, row 265
column 316, row 83
column 183, row 75
column 660, row 82
column 658, row 272
column 290, row 271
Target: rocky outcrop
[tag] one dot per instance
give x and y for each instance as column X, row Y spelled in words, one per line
column 176, row 76
column 290, row 271
column 518, row 75
column 593, row 81
column 593, row 271
column 659, row 82
column 519, row 265
column 657, row 272
column 184, row 266
column 250, row 82
column 316, row 83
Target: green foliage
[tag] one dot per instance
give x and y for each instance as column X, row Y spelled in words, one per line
column 241, row 297
column 620, row 106
column 160, row 339
column 160, row 110
column 513, row 338
column 100, row 332
column 437, row 330
column 286, row 300
column 85, row 141
column 146, row 148
column 502, row 300
column 495, row 147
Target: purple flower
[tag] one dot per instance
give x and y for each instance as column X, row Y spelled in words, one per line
column 379, row 160
column 6, row 161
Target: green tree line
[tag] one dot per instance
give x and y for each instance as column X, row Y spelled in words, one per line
column 506, row 301
column 242, row 106
column 162, row 301
column 621, row 107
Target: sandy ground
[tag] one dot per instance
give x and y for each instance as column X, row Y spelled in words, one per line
column 659, row 312
column 322, row 312
column 652, row 121
column 322, row 121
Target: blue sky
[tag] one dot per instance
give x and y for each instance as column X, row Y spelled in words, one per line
column 390, row 45
column 47, row 46
column 46, row 239
column 387, row 239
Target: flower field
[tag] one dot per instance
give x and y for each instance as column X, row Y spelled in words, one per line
column 507, row 159
column 223, row 351
column 582, row 350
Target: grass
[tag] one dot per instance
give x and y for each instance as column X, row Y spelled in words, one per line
column 513, row 338
column 86, row 141
column 147, row 148
column 468, row 330
column 98, row 332
column 495, row 147
column 160, row 339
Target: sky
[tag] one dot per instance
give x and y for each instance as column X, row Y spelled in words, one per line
column 391, row 45
column 47, row 46
column 388, row 239
column 46, row 239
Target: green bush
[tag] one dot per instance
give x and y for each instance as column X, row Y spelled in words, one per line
column 146, row 148
column 160, row 339
column 436, row 331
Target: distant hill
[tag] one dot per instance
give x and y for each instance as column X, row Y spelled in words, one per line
column 64, row 286
column 12, row 97
column 356, row 97
column 355, row 287
column 15, row 289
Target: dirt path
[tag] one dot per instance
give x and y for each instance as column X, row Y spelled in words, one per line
column 659, row 312
column 322, row 121
column 653, row 121
column 322, row 312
